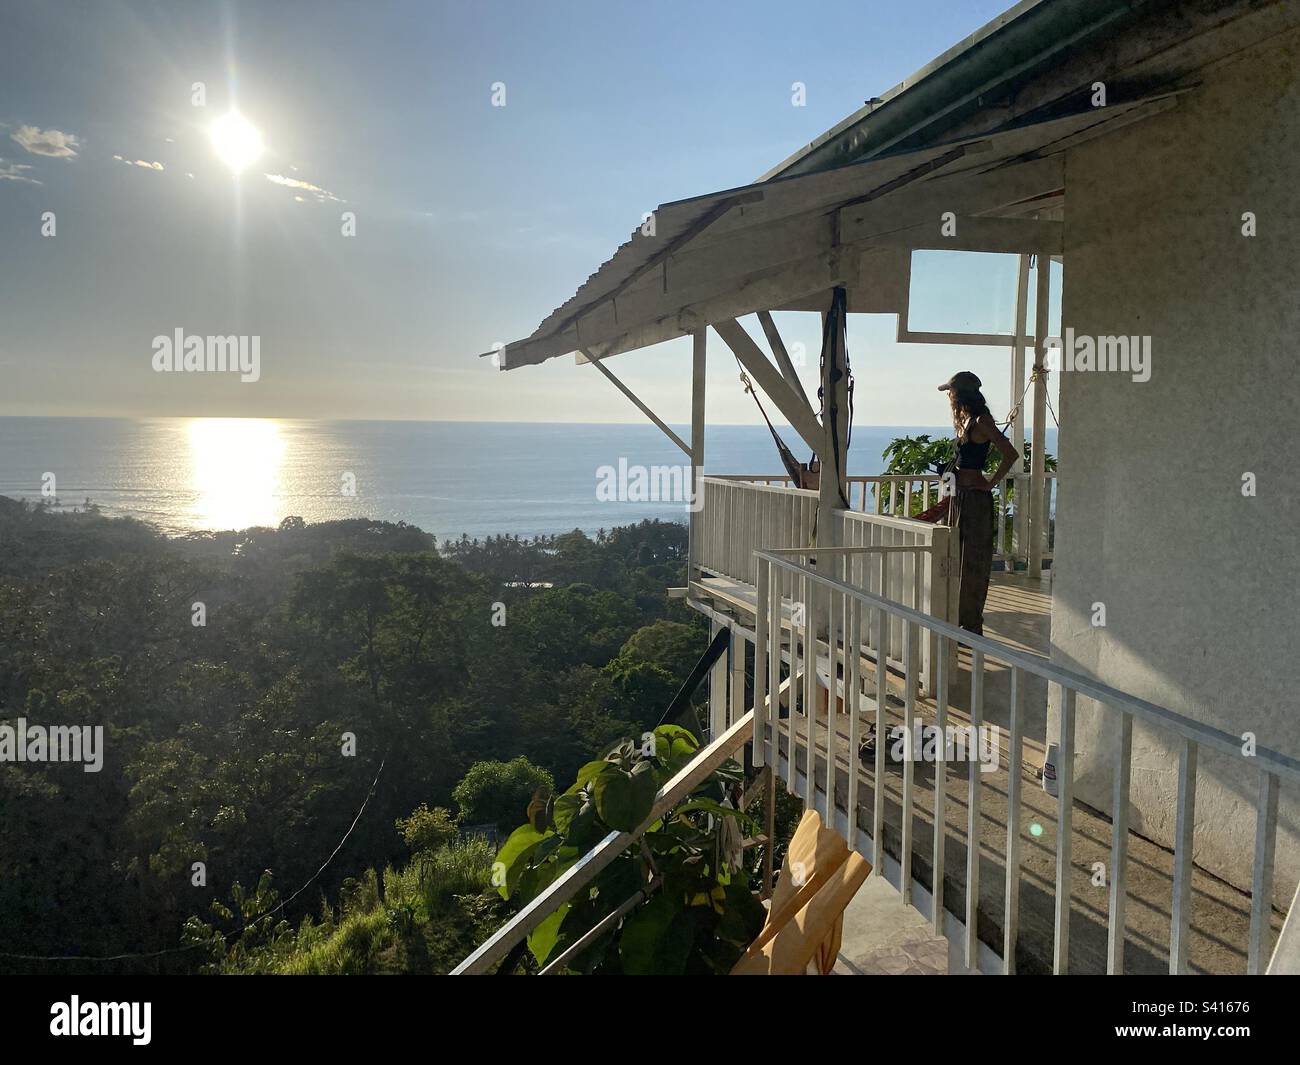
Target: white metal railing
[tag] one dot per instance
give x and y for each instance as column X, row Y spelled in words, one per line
column 911, row 562
column 903, row 494
column 853, row 618
column 739, row 517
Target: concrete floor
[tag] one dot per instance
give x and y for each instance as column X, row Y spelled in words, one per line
column 883, row 936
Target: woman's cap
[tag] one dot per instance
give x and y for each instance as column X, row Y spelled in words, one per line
column 962, row 381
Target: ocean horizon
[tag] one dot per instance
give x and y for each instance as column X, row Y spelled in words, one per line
column 479, row 479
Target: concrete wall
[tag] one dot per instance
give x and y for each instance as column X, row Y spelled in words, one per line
column 1201, row 586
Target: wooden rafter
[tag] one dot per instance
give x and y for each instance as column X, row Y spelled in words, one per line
column 793, row 406
column 636, row 400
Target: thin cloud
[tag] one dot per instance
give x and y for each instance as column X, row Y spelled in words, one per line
column 51, row 142
column 322, row 195
column 13, row 172
column 138, row 162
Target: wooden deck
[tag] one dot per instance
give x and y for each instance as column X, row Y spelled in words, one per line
column 1019, row 612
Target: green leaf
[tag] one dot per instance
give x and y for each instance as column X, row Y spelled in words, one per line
column 675, row 745
column 587, row 774
column 624, row 800
column 543, row 938
column 656, row 939
column 514, row 855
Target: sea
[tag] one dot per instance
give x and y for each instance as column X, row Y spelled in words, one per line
column 450, row 479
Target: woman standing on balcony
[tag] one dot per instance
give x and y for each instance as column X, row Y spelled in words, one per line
column 972, row 506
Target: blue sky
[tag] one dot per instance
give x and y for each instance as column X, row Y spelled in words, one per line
column 472, row 221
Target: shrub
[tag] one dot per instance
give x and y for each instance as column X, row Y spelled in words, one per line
column 427, row 829
column 499, row 792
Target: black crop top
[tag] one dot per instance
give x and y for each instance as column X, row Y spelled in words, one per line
column 970, row 455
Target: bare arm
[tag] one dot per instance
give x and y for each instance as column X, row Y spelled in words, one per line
column 1009, row 454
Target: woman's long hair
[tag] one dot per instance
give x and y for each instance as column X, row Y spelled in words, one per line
column 967, row 405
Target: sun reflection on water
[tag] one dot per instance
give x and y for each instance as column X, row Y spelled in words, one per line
column 235, row 468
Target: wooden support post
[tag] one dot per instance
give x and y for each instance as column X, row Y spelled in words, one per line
column 833, row 493
column 717, row 691
column 1020, row 525
column 769, row 819
column 1037, row 467
column 736, row 682
column 698, row 363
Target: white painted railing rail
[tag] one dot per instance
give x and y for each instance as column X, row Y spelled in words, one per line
column 856, row 618
column 908, row 561
column 902, row 494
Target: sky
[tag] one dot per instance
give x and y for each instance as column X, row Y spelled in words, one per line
column 121, row 222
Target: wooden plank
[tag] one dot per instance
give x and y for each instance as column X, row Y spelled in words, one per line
column 663, row 426
column 975, row 234
column 781, row 355
column 795, row 409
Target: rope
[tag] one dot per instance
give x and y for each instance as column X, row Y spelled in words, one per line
column 224, row 936
column 788, row 460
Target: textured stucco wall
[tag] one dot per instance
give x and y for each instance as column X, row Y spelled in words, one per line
column 1201, row 586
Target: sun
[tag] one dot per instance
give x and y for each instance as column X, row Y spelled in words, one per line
column 236, row 140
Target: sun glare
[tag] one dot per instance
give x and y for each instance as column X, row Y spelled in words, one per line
column 235, row 471
column 236, row 140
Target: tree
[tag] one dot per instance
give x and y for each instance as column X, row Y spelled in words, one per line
column 426, row 830
column 499, row 792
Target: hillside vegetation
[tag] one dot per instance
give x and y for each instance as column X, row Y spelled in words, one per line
column 337, row 666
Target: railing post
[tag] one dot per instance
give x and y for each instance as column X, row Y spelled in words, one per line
column 762, row 622
column 1115, row 928
column 973, row 813
column 717, row 691
column 1064, row 826
column 910, row 641
column 1261, row 894
column 940, row 781
column 1037, row 532
column 878, row 796
column 1184, row 828
column 698, row 361
column 1011, row 906
column 809, row 692
column 852, row 682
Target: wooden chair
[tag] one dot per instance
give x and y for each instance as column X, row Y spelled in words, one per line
column 805, row 921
